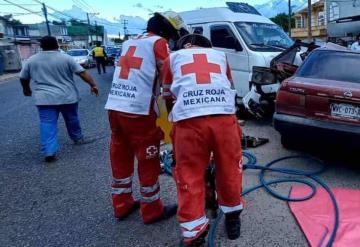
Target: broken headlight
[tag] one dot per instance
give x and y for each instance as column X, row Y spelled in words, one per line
column 263, row 76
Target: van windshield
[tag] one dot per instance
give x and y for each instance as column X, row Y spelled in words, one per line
column 263, row 36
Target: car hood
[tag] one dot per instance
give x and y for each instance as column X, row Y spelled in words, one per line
column 268, row 57
column 78, row 58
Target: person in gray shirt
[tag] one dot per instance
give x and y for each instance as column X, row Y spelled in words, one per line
column 55, row 92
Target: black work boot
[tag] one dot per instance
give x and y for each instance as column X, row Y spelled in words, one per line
column 50, row 158
column 170, row 211
column 198, row 242
column 233, row 225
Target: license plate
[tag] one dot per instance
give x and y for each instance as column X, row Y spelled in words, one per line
column 345, row 110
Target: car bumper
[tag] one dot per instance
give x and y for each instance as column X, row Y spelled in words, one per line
column 304, row 127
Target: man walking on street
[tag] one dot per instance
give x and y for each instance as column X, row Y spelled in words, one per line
column 55, row 92
column 99, row 55
column 356, row 45
column 198, row 79
column 132, row 116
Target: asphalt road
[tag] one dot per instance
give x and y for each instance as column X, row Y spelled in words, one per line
column 68, row 203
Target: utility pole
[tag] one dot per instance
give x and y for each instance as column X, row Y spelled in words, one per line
column 46, row 18
column 290, row 15
column 125, row 22
column 309, row 21
column 96, row 31
column 89, row 26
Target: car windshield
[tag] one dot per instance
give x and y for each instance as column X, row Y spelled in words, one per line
column 263, row 36
column 112, row 50
column 76, row 53
column 331, row 65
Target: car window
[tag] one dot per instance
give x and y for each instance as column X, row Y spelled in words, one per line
column 332, row 65
column 198, row 30
column 221, row 36
column 112, row 50
column 75, row 53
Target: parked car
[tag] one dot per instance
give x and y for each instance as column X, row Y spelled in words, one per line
column 321, row 102
column 82, row 57
column 248, row 38
column 112, row 52
column 117, row 57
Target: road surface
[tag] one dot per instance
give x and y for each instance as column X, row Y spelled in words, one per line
column 67, row 203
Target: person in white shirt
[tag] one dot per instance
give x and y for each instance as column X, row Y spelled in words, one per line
column 356, row 45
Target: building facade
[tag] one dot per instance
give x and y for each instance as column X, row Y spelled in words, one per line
column 318, row 22
column 339, row 9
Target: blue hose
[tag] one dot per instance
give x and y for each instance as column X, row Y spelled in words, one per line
column 252, row 164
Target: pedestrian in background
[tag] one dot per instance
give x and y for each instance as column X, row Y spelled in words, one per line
column 356, row 45
column 99, row 55
column 55, row 92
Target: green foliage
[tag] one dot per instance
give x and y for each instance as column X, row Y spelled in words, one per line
column 117, row 40
column 62, row 22
column 10, row 20
column 283, row 21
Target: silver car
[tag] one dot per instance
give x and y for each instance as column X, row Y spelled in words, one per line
column 82, row 57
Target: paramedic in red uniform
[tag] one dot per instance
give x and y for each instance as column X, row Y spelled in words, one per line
column 201, row 97
column 132, row 116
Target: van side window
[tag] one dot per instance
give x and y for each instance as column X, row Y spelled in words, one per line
column 222, row 36
column 198, row 30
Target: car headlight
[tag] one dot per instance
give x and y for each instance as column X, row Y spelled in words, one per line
column 263, row 76
column 82, row 61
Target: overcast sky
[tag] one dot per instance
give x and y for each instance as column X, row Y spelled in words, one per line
column 111, row 9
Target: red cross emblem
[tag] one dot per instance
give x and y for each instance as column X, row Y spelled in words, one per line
column 151, row 151
column 201, row 68
column 129, row 61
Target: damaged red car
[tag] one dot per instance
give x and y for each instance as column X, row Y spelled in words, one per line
column 321, row 102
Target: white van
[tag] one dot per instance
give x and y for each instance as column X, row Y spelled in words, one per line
column 247, row 39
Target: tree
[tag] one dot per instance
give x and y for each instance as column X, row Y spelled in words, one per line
column 10, row 20
column 62, row 22
column 283, row 21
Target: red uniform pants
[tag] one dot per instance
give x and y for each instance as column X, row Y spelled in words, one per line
column 194, row 139
column 135, row 137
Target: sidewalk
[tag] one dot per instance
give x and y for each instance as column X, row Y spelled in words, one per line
column 8, row 76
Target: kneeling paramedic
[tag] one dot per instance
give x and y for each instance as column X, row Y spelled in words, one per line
column 132, row 115
column 198, row 79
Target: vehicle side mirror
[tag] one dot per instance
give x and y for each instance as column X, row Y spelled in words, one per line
column 232, row 43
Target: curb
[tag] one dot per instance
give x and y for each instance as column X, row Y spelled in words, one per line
column 7, row 77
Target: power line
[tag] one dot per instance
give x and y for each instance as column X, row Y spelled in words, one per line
column 21, row 7
column 88, row 5
column 82, row 6
column 59, row 12
column 23, row 4
column 17, row 14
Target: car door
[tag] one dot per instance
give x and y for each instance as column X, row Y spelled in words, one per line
column 222, row 36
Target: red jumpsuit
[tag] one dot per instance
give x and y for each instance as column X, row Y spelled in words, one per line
column 194, row 138
column 136, row 135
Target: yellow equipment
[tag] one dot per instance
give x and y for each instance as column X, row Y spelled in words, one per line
column 163, row 121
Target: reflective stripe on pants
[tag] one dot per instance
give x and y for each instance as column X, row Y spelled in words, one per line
column 119, row 191
column 126, row 180
column 193, row 229
column 226, row 209
column 150, row 189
